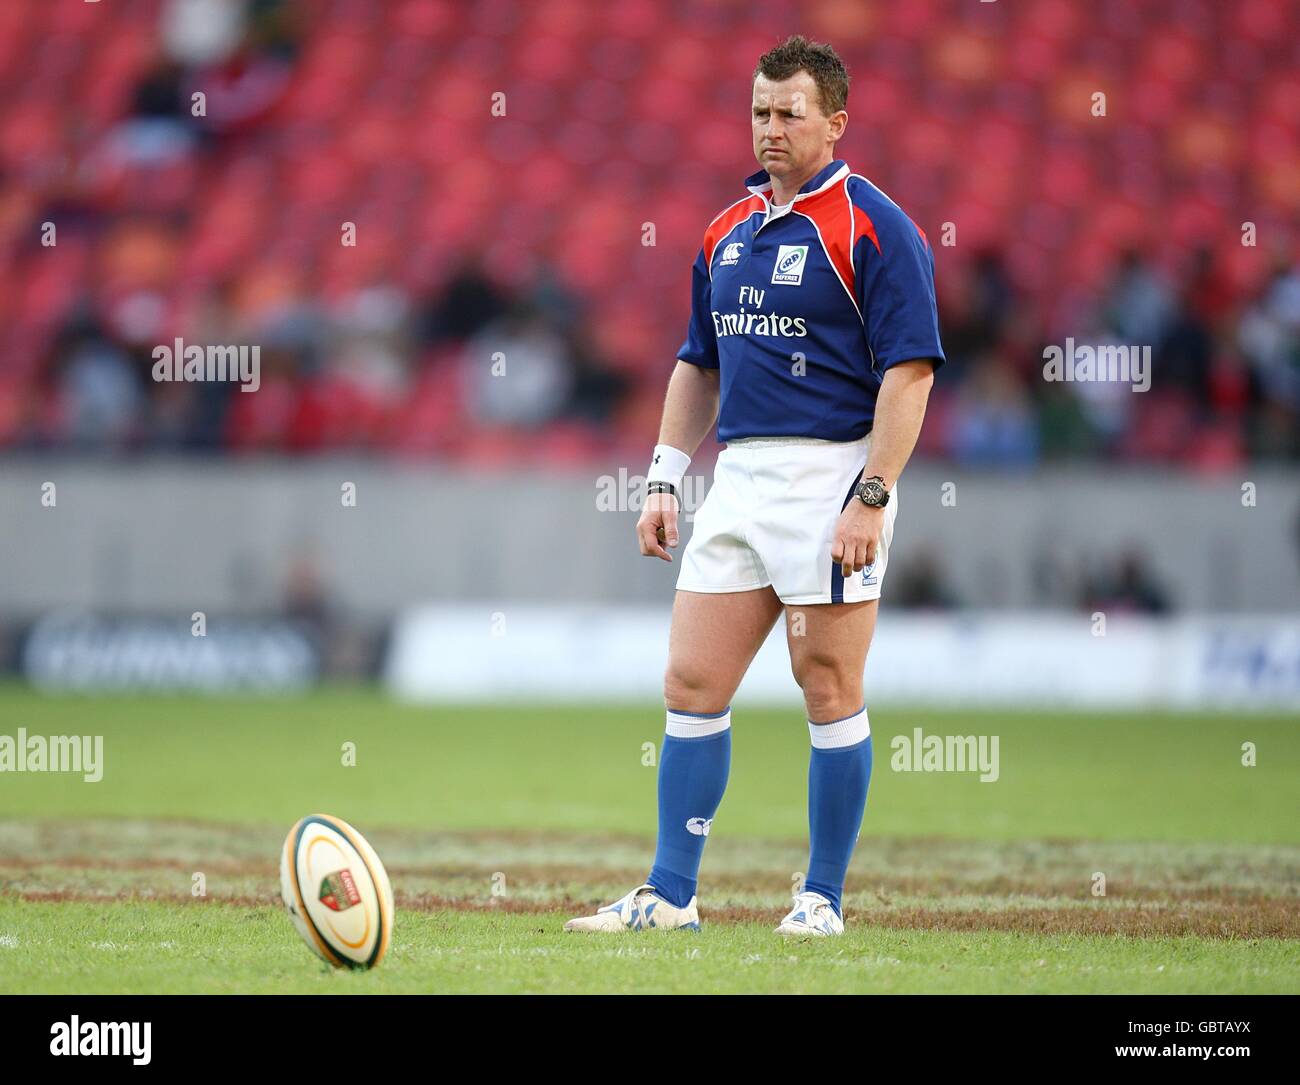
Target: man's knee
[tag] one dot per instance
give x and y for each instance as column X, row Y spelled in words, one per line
column 690, row 687
column 830, row 689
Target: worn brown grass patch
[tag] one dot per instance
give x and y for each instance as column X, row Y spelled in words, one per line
column 933, row 884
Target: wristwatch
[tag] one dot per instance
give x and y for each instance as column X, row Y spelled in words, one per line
column 872, row 492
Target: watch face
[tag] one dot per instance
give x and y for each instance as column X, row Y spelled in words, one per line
column 873, row 493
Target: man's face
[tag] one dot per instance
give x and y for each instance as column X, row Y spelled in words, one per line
column 791, row 133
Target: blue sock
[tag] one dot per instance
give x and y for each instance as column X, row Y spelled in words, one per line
column 838, row 776
column 693, row 771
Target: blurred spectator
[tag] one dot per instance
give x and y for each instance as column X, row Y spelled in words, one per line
column 1183, row 357
column 1126, row 586
column 1136, row 307
column 243, row 89
column 519, row 372
column 202, row 31
column 1064, row 425
column 1269, row 337
column 993, row 421
column 561, row 307
column 99, row 394
column 976, row 301
column 597, row 390
column 920, row 582
column 1297, row 533
column 468, row 302
column 305, row 598
column 159, row 128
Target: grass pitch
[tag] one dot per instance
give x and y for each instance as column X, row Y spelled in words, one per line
column 496, row 824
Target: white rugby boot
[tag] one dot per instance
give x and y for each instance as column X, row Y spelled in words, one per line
column 812, row 916
column 641, row 909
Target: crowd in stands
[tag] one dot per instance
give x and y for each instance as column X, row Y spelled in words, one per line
column 465, row 231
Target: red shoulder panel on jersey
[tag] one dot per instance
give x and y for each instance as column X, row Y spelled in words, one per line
column 864, row 227
column 721, row 226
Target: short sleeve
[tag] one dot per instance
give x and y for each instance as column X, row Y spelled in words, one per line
column 701, row 346
column 894, row 271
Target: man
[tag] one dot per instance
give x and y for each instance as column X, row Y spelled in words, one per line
column 813, row 342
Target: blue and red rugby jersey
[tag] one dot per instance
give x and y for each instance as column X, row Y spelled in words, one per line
column 842, row 281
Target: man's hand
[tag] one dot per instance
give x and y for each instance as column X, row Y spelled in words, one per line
column 657, row 525
column 857, row 537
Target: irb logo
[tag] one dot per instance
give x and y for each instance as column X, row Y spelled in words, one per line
column 790, row 261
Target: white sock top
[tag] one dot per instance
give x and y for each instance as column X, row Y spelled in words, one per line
column 689, row 725
column 839, row 733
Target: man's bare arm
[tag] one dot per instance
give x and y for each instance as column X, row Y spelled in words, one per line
column 900, row 410
column 690, row 409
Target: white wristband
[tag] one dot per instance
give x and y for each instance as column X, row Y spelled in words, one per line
column 668, row 464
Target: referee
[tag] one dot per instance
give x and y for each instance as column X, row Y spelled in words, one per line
column 812, row 344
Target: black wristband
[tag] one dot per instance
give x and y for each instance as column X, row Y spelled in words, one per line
column 660, row 488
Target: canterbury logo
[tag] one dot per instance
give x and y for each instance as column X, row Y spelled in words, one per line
column 699, row 826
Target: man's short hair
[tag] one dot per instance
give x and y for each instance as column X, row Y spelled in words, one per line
column 818, row 59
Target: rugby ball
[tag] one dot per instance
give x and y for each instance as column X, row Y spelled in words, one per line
column 337, row 892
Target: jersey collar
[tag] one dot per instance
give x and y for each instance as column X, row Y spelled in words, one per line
column 760, row 184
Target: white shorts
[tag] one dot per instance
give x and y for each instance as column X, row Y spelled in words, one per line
column 770, row 519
